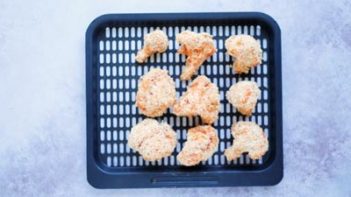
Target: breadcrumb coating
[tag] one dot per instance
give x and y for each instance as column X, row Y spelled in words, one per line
column 198, row 47
column 248, row 138
column 156, row 92
column 243, row 96
column 154, row 42
column 153, row 140
column 202, row 142
column 200, row 99
column 246, row 52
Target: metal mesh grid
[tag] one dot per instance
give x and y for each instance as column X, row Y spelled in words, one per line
column 118, row 76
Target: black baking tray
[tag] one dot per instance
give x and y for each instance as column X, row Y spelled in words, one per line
column 111, row 82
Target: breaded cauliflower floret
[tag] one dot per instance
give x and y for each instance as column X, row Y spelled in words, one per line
column 246, row 52
column 153, row 140
column 200, row 99
column 243, row 95
column 248, row 138
column 198, row 47
column 202, row 142
column 156, row 92
column 154, row 42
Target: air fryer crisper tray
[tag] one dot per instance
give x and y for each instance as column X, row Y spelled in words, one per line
column 111, row 84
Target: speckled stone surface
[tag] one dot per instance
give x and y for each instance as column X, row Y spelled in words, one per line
column 42, row 95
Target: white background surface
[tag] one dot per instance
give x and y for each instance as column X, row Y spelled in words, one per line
column 42, row 95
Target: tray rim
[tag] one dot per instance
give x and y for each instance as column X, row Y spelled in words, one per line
column 271, row 174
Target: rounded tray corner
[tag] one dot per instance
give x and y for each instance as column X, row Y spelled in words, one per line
column 98, row 21
column 269, row 21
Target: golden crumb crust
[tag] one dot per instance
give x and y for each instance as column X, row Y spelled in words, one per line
column 198, row 47
column 202, row 142
column 248, row 138
column 243, row 96
column 156, row 92
column 154, row 42
column 246, row 51
column 200, row 99
column 153, row 140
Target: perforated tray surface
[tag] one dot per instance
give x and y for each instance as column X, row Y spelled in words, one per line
column 112, row 78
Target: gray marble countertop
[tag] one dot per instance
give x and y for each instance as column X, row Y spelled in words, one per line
column 42, row 85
